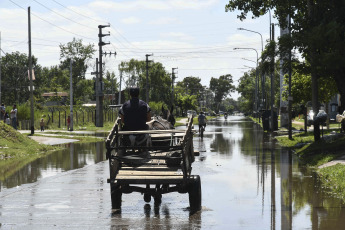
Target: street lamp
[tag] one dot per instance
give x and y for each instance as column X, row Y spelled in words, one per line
column 262, row 44
column 256, row 75
column 262, row 49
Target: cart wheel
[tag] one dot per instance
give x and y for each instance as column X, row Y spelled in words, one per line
column 158, row 199
column 194, row 191
column 116, row 197
column 147, row 197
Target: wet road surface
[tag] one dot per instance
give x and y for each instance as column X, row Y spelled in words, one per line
column 248, row 182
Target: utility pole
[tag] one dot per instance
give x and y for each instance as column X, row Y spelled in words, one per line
column 99, row 90
column 71, row 94
column 30, row 76
column 97, row 86
column 290, row 95
column 172, row 85
column 120, row 85
column 147, row 77
column 272, row 82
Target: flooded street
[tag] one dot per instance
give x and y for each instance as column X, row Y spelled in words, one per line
column 248, row 182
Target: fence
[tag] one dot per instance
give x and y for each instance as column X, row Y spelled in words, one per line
column 57, row 117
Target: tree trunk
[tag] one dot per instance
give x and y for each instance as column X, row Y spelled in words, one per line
column 314, row 83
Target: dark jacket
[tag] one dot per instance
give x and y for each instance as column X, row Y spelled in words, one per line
column 135, row 114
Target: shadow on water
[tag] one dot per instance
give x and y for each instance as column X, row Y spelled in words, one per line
column 73, row 156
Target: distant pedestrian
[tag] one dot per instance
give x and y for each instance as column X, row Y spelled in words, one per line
column 7, row 119
column 68, row 122
column 2, row 111
column 42, row 124
column 14, row 116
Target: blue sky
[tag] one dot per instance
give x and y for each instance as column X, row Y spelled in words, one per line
column 196, row 36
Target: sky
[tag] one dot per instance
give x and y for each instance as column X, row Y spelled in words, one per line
column 196, row 36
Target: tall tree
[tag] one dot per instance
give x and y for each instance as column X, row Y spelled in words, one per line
column 15, row 81
column 134, row 73
column 80, row 55
column 317, row 31
column 191, row 85
column 221, row 87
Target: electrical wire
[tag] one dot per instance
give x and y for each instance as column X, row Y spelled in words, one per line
column 52, row 24
column 86, row 26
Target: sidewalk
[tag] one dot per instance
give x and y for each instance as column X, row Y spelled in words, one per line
column 53, row 139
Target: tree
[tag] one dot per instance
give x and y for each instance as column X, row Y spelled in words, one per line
column 187, row 102
column 80, row 55
column 15, row 81
column 191, row 85
column 317, row 31
column 301, row 86
column 221, row 87
column 246, row 88
column 134, row 73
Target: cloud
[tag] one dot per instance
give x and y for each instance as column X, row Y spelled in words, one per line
column 177, row 35
column 164, row 21
column 151, row 5
column 130, row 20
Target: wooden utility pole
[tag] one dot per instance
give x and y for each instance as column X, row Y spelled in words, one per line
column 71, row 94
column 172, row 85
column 120, row 85
column 30, row 76
column 272, row 83
column 147, row 77
column 290, row 95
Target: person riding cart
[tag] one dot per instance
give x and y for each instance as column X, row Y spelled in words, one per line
column 134, row 114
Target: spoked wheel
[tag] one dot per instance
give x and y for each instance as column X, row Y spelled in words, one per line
column 116, row 196
column 202, row 131
column 194, row 191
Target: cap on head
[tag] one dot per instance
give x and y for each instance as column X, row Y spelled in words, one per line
column 134, row 91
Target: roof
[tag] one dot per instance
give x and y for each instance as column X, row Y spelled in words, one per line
column 53, row 94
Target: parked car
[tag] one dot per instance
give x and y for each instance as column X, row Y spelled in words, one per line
column 191, row 112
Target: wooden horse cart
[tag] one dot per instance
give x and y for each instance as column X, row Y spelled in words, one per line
column 166, row 166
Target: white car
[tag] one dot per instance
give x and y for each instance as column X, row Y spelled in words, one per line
column 191, row 112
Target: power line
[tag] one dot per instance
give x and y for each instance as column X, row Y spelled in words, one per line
column 78, row 12
column 63, row 15
column 99, row 21
column 52, row 23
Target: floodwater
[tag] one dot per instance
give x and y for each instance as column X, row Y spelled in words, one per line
column 248, row 182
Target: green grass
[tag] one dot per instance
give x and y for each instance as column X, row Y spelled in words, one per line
column 296, row 138
column 314, row 154
column 317, row 153
column 14, row 144
column 333, row 178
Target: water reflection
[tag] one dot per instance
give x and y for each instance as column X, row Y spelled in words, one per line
column 293, row 193
column 73, row 156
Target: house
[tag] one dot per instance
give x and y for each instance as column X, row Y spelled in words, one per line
column 55, row 98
